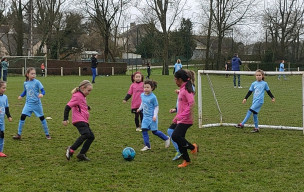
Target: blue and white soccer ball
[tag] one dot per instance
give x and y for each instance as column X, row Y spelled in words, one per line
column 128, row 153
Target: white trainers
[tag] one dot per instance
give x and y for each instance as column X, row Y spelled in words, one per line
column 138, row 129
column 146, row 148
column 240, row 87
column 167, row 142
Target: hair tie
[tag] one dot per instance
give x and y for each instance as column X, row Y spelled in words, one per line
column 188, row 79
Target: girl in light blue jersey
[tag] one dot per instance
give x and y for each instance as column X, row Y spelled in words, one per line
column 258, row 88
column 177, row 66
column 149, row 106
column 4, row 110
column 34, row 91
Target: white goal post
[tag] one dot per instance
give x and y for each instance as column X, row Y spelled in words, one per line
column 220, row 123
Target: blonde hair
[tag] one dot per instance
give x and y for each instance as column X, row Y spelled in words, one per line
column 83, row 84
column 2, row 83
column 262, row 72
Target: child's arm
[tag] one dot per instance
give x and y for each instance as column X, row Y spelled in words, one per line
column 246, row 97
column 140, row 108
column 156, row 109
column 67, row 110
column 128, row 96
column 271, row 95
column 7, row 112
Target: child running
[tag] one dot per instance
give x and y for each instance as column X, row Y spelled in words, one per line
column 80, row 119
column 258, row 87
column 34, row 91
column 184, row 117
column 170, row 130
column 136, row 88
column 150, row 108
column 4, row 110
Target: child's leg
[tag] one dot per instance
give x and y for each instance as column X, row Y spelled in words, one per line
column 136, row 119
column 160, row 135
column 256, row 120
column 246, row 117
column 85, row 134
column 146, row 137
column 141, row 116
column 170, row 131
column 44, row 125
column 179, row 137
column 89, row 139
column 1, row 140
column 21, row 124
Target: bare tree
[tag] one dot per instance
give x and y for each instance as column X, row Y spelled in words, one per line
column 48, row 18
column 166, row 12
column 106, row 14
column 225, row 15
column 284, row 21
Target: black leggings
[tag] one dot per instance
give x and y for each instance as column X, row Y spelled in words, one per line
column 178, row 136
column 87, row 137
column 137, row 115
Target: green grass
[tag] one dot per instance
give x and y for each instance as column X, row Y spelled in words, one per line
column 230, row 159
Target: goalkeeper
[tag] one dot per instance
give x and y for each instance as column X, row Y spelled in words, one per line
column 258, row 88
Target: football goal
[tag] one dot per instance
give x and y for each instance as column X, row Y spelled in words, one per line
column 220, row 103
column 19, row 64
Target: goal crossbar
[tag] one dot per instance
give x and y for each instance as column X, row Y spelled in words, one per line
column 200, row 99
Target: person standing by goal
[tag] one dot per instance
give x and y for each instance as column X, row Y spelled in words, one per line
column 235, row 63
column 258, row 88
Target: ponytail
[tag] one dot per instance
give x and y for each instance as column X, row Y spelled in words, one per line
column 83, row 84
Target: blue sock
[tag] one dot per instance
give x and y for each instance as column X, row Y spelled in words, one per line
column 170, row 131
column 45, row 127
column 247, row 117
column 20, row 126
column 256, row 121
column 160, row 135
column 146, row 138
column 1, row 144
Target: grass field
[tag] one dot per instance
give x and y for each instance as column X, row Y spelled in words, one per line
column 230, row 159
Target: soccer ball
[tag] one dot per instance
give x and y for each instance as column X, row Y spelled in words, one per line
column 128, row 153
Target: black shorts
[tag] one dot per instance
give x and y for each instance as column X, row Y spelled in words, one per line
column 134, row 110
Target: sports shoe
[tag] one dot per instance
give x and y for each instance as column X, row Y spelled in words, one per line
column 82, row 157
column 48, row 137
column 2, row 154
column 255, row 131
column 17, row 137
column 138, row 129
column 177, row 156
column 234, row 86
column 195, row 150
column 239, row 125
column 167, row 143
column 240, row 87
column 146, row 148
column 69, row 153
column 184, row 164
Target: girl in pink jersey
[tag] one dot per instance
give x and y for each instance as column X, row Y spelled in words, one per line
column 184, row 116
column 136, row 88
column 80, row 119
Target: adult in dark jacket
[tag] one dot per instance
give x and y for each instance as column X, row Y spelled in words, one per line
column 94, row 64
column 235, row 63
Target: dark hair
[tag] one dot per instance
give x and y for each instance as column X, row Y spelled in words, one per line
column 183, row 75
column 152, row 83
column 3, row 59
column 28, row 72
column 133, row 75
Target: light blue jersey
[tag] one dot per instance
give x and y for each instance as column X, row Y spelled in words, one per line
column 32, row 89
column 3, row 105
column 177, row 67
column 149, row 102
column 258, row 88
column 281, row 67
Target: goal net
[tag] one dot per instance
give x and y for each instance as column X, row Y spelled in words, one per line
column 19, row 64
column 220, row 104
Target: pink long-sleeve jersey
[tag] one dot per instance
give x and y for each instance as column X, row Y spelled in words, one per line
column 80, row 111
column 185, row 104
column 135, row 90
